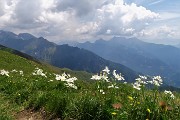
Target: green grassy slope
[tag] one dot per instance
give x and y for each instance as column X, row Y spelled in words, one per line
column 13, row 60
column 29, row 85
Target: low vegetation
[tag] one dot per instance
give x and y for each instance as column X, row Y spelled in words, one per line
column 26, row 85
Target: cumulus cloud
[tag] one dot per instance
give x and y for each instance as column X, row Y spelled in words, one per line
column 74, row 20
column 121, row 18
column 6, row 12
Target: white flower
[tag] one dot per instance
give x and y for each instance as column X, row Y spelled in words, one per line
column 69, row 81
column 170, row 93
column 143, row 77
column 137, row 86
column 105, row 77
column 68, row 75
column 38, row 71
column 60, row 77
column 156, row 80
column 106, row 70
column 125, row 82
column 141, row 80
column 113, row 86
column 100, row 77
column 4, row 72
column 96, row 77
column 102, row 91
column 118, row 76
column 21, row 73
column 71, row 85
column 14, row 70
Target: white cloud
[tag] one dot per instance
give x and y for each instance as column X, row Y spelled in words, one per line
column 6, row 12
column 119, row 16
column 169, row 15
column 160, row 32
column 68, row 19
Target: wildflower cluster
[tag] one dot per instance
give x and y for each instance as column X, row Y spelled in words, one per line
column 102, row 91
column 39, row 72
column 143, row 80
column 4, row 73
column 104, row 75
column 169, row 93
column 156, row 80
column 7, row 73
column 69, row 81
column 21, row 73
column 118, row 76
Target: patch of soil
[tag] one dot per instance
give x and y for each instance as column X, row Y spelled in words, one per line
column 30, row 115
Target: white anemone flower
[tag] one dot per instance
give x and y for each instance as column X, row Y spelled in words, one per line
column 102, row 91
column 118, row 76
column 21, row 72
column 71, row 85
column 169, row 93
column 69, row 81
column 4, row 73
column 96, row 77
column 14, row 70
column 106, row 70
column 100, row 77
column 137, row 86
column 156, row 80
column 141, row 80
column 39, row 72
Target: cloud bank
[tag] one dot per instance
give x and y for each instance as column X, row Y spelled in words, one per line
column 75, row 20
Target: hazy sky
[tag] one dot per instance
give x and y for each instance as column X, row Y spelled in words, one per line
column 81, row 20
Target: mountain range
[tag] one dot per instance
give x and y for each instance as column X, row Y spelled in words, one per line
column 117, row 53
column 147, row 58
column 63, row 56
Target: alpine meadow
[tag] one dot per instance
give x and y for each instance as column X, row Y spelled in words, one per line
column 89, row 60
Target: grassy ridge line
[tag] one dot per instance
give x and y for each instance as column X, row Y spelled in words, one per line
column 10, row 59
column 15, row 52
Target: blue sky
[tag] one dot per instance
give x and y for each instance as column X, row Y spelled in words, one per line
column 169, row 11
column 87, row 20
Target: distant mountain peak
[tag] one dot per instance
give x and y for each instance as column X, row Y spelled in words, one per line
column 7, row 32
column 26, row 36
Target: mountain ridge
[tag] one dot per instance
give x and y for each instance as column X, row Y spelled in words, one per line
column 147, row 58
column 65, row 56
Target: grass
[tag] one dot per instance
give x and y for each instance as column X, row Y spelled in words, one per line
column 92, row 100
